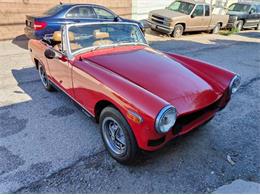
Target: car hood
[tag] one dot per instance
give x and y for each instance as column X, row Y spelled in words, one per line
column 160, row 75
column 167, row 13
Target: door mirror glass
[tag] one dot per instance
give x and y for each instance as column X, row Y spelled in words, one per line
column 50, row 54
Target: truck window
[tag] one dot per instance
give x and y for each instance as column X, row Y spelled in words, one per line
column 198, row 10
column 252, row 10
column 258, row 9
column 180, row 6
column 206, row 10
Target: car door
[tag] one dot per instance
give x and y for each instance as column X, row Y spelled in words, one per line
column 104, row 14
column 253, row 18
column 81, row 13
column 196, row 23
column 60, row 70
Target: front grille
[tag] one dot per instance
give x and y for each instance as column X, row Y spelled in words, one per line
column 184, row 120
column 158, row 17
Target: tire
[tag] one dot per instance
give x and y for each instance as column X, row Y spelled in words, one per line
column 239, row 25
column 216, row 29
column 177, row 31
column 123, row 150
column 44, row 78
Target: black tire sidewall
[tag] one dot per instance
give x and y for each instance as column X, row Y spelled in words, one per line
column 49, row 86
column 131, row 145
column 178, row 26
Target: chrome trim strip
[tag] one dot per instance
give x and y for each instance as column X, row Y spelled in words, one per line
column 66, row 27
column 232, row 81
column 160, row 114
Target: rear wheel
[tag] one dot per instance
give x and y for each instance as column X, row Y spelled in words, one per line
column 44, row 78
column 117, row 136
column 177, row 31
column 239, row 25
column 216, row 28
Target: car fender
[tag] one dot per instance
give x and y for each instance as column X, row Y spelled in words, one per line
column 219, row 78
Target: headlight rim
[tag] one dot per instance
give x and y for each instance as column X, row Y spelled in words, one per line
column 160, row 115
column 237, row 76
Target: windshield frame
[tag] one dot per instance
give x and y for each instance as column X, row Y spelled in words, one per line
column 71, row 54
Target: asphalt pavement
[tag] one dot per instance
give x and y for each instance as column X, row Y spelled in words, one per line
column 47, row 145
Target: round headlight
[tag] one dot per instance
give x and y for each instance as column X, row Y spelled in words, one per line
column 234, row 84
column 165, row 119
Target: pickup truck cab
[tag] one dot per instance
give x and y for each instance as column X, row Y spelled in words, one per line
column 186, row 15
column 244, row 15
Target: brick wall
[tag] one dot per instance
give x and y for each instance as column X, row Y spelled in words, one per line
column 12, row 12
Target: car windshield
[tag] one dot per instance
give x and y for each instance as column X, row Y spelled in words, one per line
column 54, row 10
column 94, row 36
column 180, row 6
column 239, row 7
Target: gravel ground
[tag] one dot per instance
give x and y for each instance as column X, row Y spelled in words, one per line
column 47, row 145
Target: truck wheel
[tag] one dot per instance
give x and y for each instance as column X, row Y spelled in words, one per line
column 44, row 78
column 216, row 29
column 239, row 25
column 117, row 136
column 177, row 31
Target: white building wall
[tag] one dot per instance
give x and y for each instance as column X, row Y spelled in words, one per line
column 141, row 8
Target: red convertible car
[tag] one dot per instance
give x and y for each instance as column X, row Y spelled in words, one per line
column 142, row 98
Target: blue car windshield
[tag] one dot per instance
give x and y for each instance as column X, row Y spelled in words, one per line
column 95, row 36
column 54, row 10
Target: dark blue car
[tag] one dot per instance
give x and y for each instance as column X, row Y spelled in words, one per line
column 53, row 19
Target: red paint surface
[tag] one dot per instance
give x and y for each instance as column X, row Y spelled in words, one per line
column 140, row 79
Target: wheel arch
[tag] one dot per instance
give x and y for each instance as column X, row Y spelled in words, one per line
column 183, row 24
column 100, row 105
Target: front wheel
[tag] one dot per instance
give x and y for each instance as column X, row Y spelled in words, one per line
column 117, row 136
column 177, row 31
column 239, row 25
column 44, row 78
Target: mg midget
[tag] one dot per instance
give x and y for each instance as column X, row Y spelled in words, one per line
column 142, row 98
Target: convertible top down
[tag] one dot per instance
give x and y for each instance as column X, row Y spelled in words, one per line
column 142, row 98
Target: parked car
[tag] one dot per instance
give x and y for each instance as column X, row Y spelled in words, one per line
column 186, row 15
column 142, row 98
column 244, row 15
column 52, row 20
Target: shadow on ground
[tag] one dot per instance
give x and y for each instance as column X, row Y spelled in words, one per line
column 21, row 41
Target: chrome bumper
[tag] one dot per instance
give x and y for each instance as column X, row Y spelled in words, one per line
column 160, row 27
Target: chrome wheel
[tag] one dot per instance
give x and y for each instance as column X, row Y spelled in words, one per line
column 43, row 76
column 114, row 136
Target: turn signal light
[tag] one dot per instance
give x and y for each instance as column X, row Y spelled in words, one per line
column 134, row 117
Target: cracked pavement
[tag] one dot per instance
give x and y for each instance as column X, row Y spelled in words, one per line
column 47, row 145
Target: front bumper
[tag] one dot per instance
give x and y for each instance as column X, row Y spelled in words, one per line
column 159, row 27
column 184, row 124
